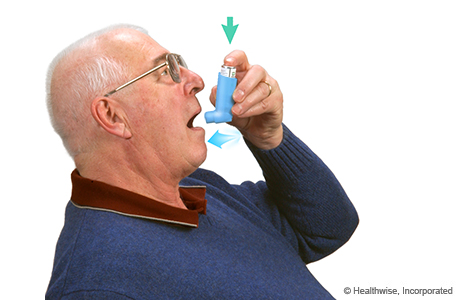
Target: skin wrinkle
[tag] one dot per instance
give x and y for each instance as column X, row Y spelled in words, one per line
column 68, row 86
column 144, row 176
column 146, row 158
column 140, row 138
column 57, row 92
column 145, row 145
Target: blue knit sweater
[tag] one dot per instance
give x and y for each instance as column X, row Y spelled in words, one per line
column 253, row 242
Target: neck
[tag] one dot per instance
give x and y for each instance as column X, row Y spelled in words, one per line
column 152, row 180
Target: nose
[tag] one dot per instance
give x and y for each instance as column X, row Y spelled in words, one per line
column 193, row 83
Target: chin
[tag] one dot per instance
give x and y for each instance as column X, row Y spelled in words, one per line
column 201, row 151
column 198, row 157
column 203, row 154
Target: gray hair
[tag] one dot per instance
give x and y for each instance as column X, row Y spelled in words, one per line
column 68, row 105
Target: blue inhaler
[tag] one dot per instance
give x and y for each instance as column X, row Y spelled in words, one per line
column 226, row 84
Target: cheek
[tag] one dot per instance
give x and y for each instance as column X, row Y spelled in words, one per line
column 144, row 120
column 158, row 115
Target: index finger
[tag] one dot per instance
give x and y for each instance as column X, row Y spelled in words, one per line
column 238, row 59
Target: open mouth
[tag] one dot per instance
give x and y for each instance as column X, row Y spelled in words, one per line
column 190, row 122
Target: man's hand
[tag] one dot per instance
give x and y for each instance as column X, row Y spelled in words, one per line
column 257, row 113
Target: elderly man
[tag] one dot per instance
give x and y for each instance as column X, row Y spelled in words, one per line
column 144, row 222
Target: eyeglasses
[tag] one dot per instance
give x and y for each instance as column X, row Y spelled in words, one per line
column 173, row 62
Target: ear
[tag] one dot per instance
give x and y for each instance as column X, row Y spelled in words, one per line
column 109, row 114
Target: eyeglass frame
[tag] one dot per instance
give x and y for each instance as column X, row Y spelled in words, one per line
column 177, row 58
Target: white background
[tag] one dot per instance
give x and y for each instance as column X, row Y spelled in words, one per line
column 371, row 86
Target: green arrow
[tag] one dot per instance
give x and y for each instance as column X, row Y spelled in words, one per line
column 230, row 29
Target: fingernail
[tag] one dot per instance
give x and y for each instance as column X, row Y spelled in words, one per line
column 238, row 95
column 229, row 60
column 237, row 109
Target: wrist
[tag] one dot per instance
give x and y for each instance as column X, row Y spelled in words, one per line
column 267, row 140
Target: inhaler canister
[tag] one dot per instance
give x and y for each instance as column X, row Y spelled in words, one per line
column 226, row 84
column 228, row 71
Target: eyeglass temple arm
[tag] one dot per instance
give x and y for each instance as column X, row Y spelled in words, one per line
column 135, row 79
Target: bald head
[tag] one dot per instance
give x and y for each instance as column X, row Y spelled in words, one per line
column 83, row 71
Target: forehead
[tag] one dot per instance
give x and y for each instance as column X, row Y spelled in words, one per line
column 132, row 46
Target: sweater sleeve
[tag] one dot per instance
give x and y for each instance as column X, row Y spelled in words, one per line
column 308, row 196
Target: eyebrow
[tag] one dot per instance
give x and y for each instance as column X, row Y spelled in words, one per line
column 160, row 58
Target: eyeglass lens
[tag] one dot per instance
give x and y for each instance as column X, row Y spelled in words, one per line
column 174, row 63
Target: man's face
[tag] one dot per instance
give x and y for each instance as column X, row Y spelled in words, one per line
column 161, row 112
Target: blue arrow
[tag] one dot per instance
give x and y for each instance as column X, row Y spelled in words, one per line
column 218, row 139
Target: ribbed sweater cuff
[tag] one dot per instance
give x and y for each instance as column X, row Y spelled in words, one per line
column 288, row 162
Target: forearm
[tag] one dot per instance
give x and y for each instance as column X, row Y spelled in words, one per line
column 308, row 195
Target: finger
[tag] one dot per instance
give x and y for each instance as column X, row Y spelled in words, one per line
column 238, row 59
column 267, row 106
column 212, row 96
column 258, row 94
column 248, row 83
